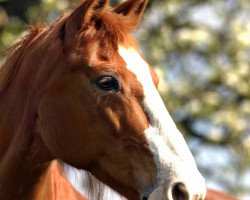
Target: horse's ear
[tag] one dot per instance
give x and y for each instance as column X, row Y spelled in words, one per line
column 132, row 9
column 84, row 15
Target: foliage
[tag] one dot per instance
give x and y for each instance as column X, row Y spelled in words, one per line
column 200, row 49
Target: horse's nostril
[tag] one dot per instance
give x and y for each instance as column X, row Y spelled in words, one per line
column 180, row 192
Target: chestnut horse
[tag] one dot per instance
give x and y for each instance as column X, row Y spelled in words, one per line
column 80, row 91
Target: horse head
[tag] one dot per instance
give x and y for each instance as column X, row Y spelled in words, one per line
column 98, row 109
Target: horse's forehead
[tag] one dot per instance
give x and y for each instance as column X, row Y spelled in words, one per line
column 106, row 55
column 135, row 63
column 104, row 45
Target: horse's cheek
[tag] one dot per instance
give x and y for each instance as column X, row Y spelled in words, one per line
column 66, row 129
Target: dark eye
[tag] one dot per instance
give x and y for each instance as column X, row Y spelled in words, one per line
column 108, row 83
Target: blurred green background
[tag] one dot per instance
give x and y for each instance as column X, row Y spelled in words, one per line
column 201, row 51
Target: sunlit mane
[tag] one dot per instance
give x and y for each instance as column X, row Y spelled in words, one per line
column 14, row 57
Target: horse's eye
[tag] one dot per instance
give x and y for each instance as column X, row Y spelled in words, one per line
column 108, row 83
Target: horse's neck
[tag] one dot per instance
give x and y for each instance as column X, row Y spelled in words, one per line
column 14, row 117
column 22, row 154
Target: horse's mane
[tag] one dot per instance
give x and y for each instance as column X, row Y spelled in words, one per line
column 13, row 57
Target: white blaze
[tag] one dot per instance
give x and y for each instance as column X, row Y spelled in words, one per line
column 171, row 153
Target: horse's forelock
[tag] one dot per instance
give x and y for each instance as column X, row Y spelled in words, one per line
column 118, row 27
column 107, row 25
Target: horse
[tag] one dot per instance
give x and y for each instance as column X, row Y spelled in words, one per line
column 80, row 91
